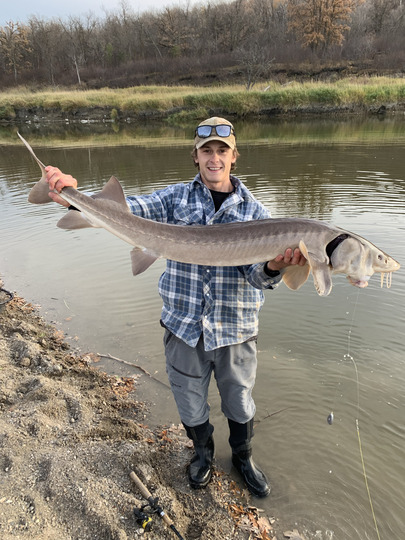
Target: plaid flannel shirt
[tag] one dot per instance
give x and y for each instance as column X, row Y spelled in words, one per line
column 222, row 303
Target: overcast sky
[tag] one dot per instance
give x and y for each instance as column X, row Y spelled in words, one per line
column 21, row 10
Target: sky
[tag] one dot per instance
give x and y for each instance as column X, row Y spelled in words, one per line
column 21, row 10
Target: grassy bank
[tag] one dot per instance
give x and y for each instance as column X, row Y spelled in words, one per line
column 189, row 102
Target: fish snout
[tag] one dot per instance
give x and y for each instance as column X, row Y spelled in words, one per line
column 395, row 266
column 385, row 263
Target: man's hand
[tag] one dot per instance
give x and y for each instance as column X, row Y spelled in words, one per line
column 57, row 180
column 290, row 258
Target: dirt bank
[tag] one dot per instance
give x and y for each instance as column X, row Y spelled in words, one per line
column 69, row 437
column 95, row 115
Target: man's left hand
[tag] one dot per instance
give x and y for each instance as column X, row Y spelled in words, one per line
column 290, row 258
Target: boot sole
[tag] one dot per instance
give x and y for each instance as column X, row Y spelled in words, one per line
column 200, row 485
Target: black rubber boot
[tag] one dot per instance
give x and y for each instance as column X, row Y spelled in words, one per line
column 200, row 467
column 240, row 441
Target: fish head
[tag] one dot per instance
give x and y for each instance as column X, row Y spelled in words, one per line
column 360, row 259
column 382, row 262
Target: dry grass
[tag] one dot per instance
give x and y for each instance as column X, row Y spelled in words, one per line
column 195, row 102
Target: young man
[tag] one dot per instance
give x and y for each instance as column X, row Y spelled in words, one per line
column 210, row 314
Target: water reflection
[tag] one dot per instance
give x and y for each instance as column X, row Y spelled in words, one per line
column 348, row 173
column 359, row 130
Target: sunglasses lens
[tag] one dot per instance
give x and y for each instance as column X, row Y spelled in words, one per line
column 223, row 130
column 204, row 131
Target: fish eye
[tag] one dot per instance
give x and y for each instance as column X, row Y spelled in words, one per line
column 380, row 257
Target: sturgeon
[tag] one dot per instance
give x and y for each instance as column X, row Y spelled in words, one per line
column 328, row 249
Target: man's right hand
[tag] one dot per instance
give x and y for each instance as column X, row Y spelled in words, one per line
column 57, row 180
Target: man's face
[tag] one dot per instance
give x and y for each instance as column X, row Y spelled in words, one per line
column 215, row 159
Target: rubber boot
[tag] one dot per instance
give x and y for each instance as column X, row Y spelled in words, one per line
column 200, row 467
column 240, row 441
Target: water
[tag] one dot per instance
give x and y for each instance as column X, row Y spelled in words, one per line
column 347, row 173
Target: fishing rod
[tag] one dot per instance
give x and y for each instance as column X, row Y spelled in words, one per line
column 142, row 517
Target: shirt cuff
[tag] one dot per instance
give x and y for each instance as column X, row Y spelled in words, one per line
column 271, row 273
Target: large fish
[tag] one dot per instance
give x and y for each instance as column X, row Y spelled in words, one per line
column 328, row 249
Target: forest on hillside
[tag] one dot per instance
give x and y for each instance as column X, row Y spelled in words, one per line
column 211, row 43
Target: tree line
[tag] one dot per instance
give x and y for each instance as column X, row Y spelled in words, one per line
column 205, row 43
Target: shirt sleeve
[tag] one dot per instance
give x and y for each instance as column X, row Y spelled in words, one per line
column 155, row 206
column 255, row 274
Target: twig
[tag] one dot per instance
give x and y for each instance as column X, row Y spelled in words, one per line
column 272, row 414
column 132, row 365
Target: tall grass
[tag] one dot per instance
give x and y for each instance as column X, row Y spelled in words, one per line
column 196, row 102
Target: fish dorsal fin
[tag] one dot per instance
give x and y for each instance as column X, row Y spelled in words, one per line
column 295, row 276
column 321, row 270
column 141, row 260
column 112, row 191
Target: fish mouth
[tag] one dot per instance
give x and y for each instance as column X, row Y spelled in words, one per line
column 359, row 282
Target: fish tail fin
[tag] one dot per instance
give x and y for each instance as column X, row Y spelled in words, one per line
column 39, row 192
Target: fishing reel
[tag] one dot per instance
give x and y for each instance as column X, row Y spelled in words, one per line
column 142, row 518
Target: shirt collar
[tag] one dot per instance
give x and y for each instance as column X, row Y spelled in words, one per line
column 237, row 184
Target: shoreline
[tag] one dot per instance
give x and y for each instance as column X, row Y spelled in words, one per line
column 70, row 435
column 110, row 115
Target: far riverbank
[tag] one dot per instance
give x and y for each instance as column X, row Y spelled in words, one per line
column 177, row 104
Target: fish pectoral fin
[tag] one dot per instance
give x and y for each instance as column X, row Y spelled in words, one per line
column 295, row 276
column 141, row 260
column 112, row 191
column 73, row 220
column 321, row 270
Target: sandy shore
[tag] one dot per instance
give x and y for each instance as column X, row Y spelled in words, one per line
column 69, row 437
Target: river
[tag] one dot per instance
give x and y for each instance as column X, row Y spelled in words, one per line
column 343, row 353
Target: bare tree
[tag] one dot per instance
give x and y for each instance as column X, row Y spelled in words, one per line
column 14, row 46
column 379, row 13
column 255, row 63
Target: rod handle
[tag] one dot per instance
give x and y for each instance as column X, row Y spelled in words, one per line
column 147, row 495
column 140, row 485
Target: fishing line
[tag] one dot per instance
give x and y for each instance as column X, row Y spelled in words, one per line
column 348, row 356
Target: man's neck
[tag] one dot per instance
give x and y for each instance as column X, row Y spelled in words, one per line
column 220, row 187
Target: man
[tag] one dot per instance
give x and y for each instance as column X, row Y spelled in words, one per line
column 210, row 314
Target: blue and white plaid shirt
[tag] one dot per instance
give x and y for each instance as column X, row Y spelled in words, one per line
column 222, row 303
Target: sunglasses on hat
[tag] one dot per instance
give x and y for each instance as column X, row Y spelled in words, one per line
column 222, row 130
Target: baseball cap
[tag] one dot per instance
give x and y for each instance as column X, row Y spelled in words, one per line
column 221, row 130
